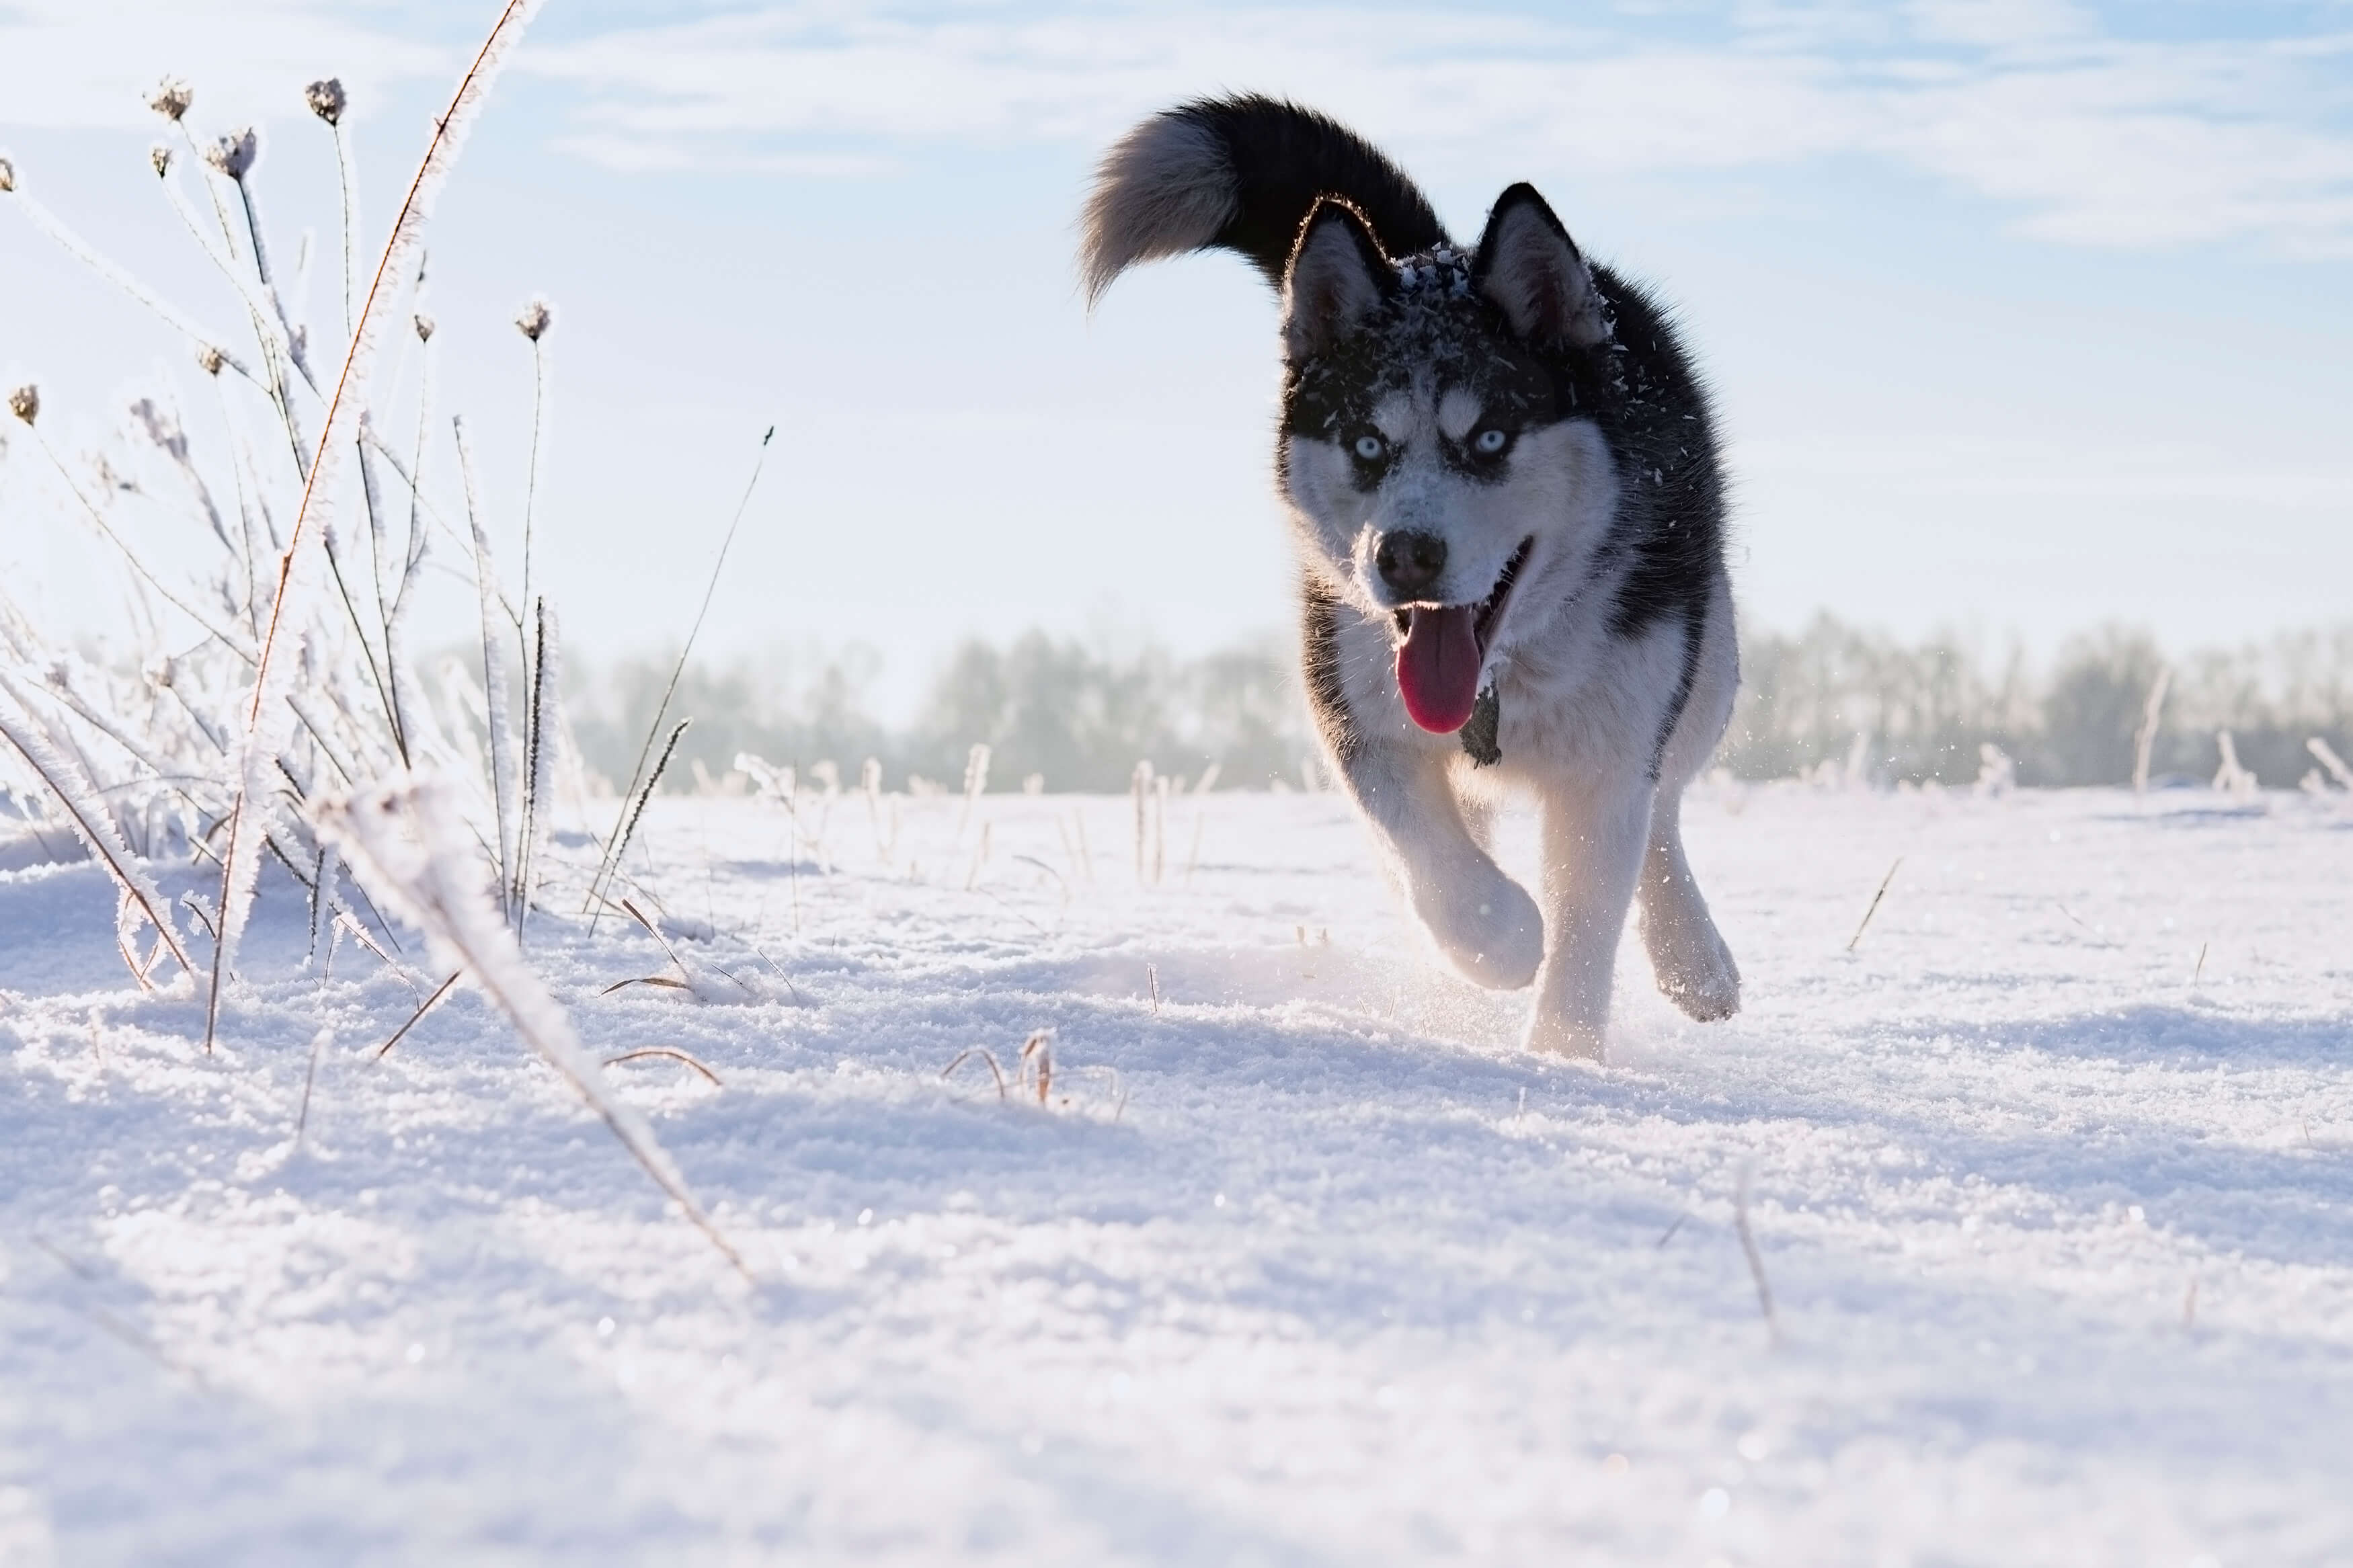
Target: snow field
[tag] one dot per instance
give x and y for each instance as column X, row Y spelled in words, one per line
column 1306, row 1263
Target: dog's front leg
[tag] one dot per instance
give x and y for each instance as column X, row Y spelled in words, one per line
column 1594, row 835
column 1483, row 922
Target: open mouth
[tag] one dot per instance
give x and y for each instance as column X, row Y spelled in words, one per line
column 1445, row 647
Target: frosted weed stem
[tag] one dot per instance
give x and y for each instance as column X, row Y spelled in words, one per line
column 1755, row 1260
column 106, row 531
column 533, row 324
column 661, row 709
column 422, row 1009
column 240, row 870
column 1873, row 909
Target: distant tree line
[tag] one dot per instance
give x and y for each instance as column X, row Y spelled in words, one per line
column 1925, row 711
column 1071, row 714
column 1078, row 716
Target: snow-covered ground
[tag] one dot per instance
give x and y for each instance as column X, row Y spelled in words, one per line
column 1306, row 1263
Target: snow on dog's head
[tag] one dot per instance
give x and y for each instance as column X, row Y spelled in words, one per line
column 1438, row 445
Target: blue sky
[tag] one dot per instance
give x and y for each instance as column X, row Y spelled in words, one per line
column 2021, row 315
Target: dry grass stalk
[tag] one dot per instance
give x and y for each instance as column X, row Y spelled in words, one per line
column 108, row 1321
column 532, row 323
column 328, row 100
column 976, row 779
column 2326, row 756
column 984, row 1055
column 869, row 784
column 371, row 495
column 1756, row 1259
column 202, row 916
column 130, row 556
column 310, row 1076
column 1160, row 830
column 2145, row 738
column 240, row 859
column 72, row 790
column 540, row 720
column 2096, row 938
column 2201, row 970
column 612, row 861
column 2231, row 777
column 497, row 721
column 979, row 860
column 1037, row 1057
column 685, row 981
column 659, row 983
column 631, row 810
column 422, row 1009
column 200, row 337
column 408, row 841
column 348, row 924
column 672, row 1053
column 1140, row 785
column 1873, row 909
column 1059, row 880
column 1151, row 979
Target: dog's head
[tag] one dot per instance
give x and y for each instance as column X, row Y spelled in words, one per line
column 1437, row 441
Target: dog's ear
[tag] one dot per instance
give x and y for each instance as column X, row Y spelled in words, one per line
column 1336, row 277
column 1529, row 268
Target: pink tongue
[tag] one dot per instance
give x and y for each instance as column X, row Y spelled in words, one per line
column 1438, row 668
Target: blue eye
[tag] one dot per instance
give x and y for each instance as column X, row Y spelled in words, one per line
column 1369, row 448
column 1490, row 441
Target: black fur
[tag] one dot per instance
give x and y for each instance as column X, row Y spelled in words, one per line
column 1480, row 736
column 1284, row 158
column 1319, row 641
column 1657, row 426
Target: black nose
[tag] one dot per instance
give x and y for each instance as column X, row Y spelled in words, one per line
column 1409, row 562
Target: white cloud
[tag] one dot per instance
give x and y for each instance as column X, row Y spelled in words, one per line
column 2100, row 141
column 91, row 64
column 2094, row 138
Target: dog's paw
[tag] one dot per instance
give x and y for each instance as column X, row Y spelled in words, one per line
column 1488, row 928
column 1699, row 976
column 1556, row 1033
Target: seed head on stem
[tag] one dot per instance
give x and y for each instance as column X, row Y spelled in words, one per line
column 424, row 328
column 326, row 100
column 233, row 154
column 172, row 97
column 209, row 360
column 25, row 402
column 535, row 320
column 7, row 176
column 161, row 157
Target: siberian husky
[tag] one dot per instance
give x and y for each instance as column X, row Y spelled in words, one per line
column 1502, row 486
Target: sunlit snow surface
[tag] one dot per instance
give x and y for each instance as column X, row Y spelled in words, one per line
column 2060, row 1240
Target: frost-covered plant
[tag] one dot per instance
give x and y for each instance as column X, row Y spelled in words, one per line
column 413, row 842
column 281, row 674
column 2326, row 756
column 2232, row 778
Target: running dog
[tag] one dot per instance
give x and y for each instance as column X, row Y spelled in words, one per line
column 1502, row 486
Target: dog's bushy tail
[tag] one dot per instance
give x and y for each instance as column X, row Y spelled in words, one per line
column 1240, row 173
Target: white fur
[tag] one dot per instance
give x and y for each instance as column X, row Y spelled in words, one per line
column 1164, row 188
